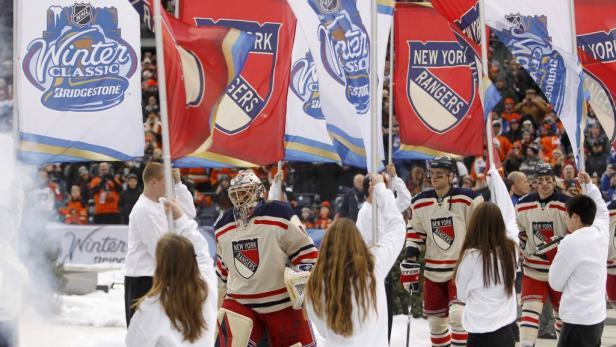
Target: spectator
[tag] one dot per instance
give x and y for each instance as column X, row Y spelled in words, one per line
column 597, row 159
column 509, row 115
column 515, row 132
column 153, row 124
column 325, row 218
column 46, row 182
column 596, row 136
column 557, row 161
column 84, row 184
column 353, row 199
column 569, row 172
column 74, row 212
column 532, row 105
column 106, row 189
column 606, row 178
column 152, row 105
column 504, row 146
column 611, row 191
column 532, row 160
column 514, row 158
column 129, row 197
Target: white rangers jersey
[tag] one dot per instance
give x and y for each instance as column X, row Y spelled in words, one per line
column 251, row 259
column 438, row 227
column 539, row 221
column 611, row 257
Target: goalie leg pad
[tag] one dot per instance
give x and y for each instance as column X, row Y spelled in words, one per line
column 458, row 334
column 237, row 326
column 439, row 331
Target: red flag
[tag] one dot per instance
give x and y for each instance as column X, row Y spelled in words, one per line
column 199, row 64
column 250, row 121
column 596, row 39
column 439, row 104
column 463, row 15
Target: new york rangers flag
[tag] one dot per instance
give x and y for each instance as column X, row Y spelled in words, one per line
column 596, row 39
column 338, row 34
column 306, row 137
column 538, row 34
column 438, row 104
column 250, row 118
column 79, row 81
column 200, row 62
column 463, row 15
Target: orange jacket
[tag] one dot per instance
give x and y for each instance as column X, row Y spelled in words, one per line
column 105, row 200
column 74, row 213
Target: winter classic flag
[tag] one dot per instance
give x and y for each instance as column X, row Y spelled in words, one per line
column 200, row 62
column 538, row 34
column 438, row 104
column 79, row 81
column 250, row 118
column 338, row 32
column 596, row 39
column 306, row 137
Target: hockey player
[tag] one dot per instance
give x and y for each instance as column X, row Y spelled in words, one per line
column 256, row 240
column 541, row 216
column 438, row 228
column 611, row 260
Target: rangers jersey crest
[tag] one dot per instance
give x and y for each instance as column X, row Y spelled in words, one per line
column 443, row 232
column 543, row 232
column 246, row 257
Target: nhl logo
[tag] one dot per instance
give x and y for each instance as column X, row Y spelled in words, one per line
column 443, row 232
column 329, row 6
column 82, row 14
column 246, row 257
column 441, row 82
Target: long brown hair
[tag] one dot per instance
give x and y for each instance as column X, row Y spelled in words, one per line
column 486, row 233
column 344, row 270
column 178, row 283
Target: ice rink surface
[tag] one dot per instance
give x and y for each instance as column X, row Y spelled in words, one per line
column 97, row 320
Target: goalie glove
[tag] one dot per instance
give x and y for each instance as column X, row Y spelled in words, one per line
column 295, row 281
column 544, row 248
column 409, row 275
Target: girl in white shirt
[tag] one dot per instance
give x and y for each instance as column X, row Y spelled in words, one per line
column 345, row 295
column 485, row 279
column 180, row 309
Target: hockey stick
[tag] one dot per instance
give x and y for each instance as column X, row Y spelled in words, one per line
column 546, row 247
column 408, row 323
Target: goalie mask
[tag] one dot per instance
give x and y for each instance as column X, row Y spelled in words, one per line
column 245, row 192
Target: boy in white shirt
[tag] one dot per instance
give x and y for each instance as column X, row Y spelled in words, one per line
column 579, row 269
column 147, row 222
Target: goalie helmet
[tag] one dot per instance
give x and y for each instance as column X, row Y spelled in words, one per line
column 245, row 192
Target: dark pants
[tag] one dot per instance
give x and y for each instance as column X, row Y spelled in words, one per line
column 389, row 294
column 575, row 335
column 503, row 337
column 8, row 333
column 108, row 218
column 134, row 289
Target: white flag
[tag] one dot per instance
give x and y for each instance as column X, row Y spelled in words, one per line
column 79, row 84
column 306, row 138
column 539, row 35
column 338, row 34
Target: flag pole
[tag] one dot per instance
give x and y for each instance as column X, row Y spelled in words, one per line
column 162, row 90
column 176, row 11
column 391, row 90
column 580, row 149
column 281, row 177
column 374, row 155
column 484, row 70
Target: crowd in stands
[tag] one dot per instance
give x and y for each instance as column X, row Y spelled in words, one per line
column 526, row 132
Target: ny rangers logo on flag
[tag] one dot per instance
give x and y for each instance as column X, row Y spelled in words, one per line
column 249, row 93
column 443, row 232
column 441, row 98
column 246, row 257
column 345, row 49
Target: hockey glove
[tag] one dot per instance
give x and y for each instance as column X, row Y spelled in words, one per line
column 409, row 275
column 295, row 281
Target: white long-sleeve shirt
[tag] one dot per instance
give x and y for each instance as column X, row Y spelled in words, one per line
column 373, row 330
column 579, row 270
column 147, row 222
column 150, row 326
column 364, row 216
column 487, row 309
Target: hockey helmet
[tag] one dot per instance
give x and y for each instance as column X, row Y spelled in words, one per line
column 543, row 170
column 245, row 192
column 443, row 162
